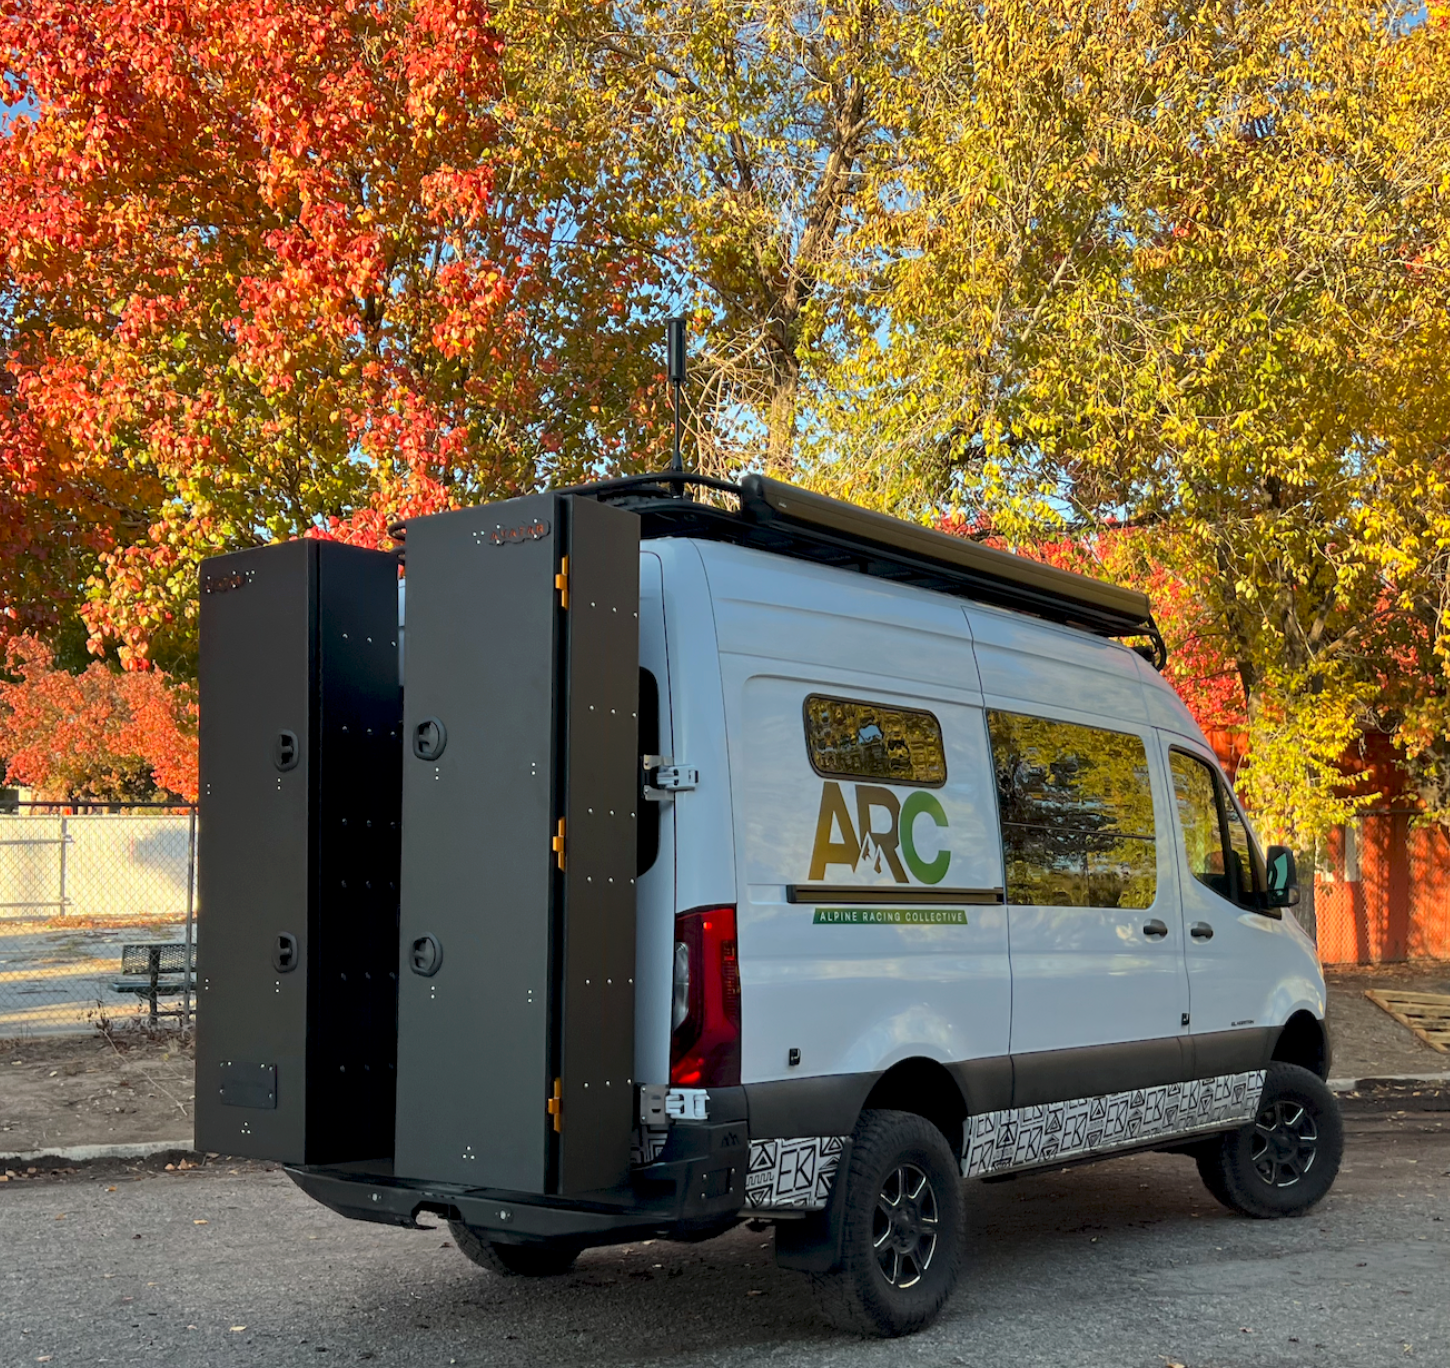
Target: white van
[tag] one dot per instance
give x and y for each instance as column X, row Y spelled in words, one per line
column 745, row 855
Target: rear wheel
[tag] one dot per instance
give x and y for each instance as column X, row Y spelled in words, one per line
column 544, row 1259
column 901, row 1247
column 1287, row 1159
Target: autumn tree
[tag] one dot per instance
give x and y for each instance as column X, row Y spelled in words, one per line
column 274, row 268
column 100, row 734
column 750, row 127
column 1180, row 266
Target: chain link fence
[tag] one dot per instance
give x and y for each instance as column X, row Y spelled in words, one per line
column 97, row 916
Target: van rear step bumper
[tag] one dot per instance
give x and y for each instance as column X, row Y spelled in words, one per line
column 699, row 1181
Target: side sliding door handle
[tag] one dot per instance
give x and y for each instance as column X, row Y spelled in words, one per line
column 1201, row 931
column 1155, row 929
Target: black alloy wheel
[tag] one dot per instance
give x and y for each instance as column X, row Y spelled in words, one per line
column 1287, row 1157
column 1285, row 1143
column 906, row 1226
column 901, row 1227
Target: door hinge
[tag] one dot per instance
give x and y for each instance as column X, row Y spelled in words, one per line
column 664, row 778
column 561, row 582
column 558, row 844
column 555, row 1105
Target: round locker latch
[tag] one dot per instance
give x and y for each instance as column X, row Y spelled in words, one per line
column 430, row 736
column 426, row 956
column 285, row 750
column 284, row 953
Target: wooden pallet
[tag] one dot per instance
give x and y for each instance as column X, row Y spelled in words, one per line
column 1426, row 1014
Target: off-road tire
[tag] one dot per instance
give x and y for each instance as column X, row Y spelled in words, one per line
column 540, row 1260
column 860, row 1296
column 1286, row 1159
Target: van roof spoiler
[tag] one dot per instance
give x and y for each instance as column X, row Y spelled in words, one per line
column 781, row 518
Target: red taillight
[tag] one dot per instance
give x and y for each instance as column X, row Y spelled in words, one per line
column 705, row 1046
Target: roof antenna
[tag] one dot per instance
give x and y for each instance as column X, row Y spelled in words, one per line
column 676, row 336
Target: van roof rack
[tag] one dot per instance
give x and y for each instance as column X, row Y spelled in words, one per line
column 780, row 518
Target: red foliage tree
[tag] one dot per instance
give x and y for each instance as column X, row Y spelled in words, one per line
column 282, row 267
column 102, row 734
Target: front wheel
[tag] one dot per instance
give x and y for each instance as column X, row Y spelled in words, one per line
column 545, row 1259
column 1287, row 1159
column 901, row 1246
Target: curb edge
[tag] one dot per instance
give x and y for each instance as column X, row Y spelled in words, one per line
column 84, row 1154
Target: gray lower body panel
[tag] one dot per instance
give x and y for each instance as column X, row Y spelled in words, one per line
column 828, row 1104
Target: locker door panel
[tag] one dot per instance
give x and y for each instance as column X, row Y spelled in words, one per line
column 478, row 868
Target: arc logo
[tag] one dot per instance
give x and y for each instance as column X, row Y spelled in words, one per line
column 882, row 833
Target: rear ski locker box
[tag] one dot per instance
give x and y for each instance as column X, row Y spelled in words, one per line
column 519, row 796
column 299, row 839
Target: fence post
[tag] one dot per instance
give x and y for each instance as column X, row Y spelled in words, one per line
column 190, row 913
column 64, row 840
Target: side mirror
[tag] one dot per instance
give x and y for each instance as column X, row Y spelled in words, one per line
column 1283, row 889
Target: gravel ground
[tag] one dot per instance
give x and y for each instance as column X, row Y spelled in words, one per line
column 1368, row 1042
column 129, row 1088
column 1126, row 1264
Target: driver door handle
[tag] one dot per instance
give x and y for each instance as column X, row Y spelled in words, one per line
column 1155, row 929
column 1201, row 931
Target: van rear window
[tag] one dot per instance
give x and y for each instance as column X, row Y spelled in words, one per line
column 1077, row 813
column 851, row 739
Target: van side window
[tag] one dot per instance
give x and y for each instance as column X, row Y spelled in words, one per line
column 647, row 826
column 1076, row 807
column 1215, row 841
column 854, row 740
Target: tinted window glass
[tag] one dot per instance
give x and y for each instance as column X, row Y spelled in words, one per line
column 1197, row 799
column 647, row 824
column 1243, row 854
column 858, row 740
column 1077, row 813
column 1230, row 868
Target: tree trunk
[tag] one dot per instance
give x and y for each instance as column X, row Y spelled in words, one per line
column 780, row 437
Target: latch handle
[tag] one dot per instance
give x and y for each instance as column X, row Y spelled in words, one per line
column 664, row 778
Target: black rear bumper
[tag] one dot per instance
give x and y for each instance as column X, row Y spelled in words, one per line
column 698, row 1182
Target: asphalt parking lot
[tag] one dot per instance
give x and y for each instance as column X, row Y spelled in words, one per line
column 1122, row 1264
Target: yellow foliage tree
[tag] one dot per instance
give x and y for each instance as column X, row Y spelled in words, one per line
column 750, row 129
column 1180, row 265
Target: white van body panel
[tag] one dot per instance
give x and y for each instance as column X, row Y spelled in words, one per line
column 1087, row 974
column 1091, row 975
column 705, row 836
column 1165, row 708
column 852, row 997
column 1026, row 665
column 654, row 928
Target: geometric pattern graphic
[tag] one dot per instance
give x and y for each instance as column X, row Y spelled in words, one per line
column 647, row 1143
column 792, row 1173
column 1026, row 1137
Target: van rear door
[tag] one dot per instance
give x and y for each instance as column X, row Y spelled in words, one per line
column 655, row 901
